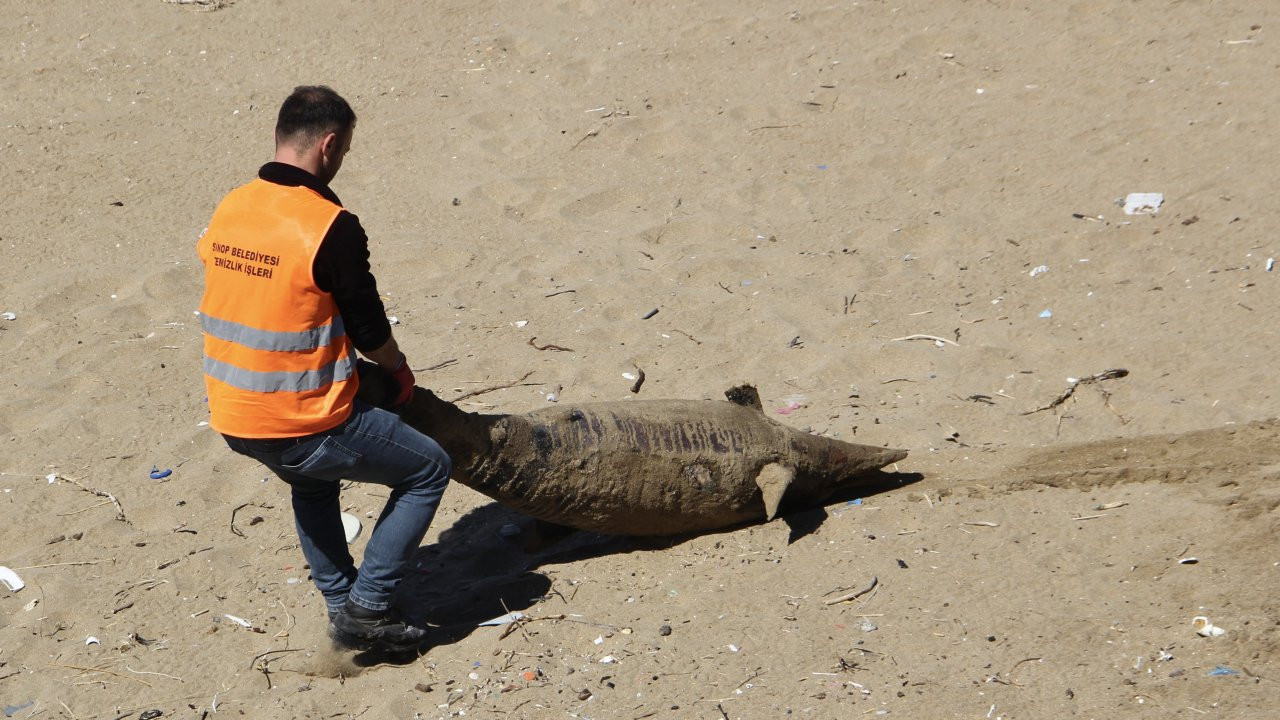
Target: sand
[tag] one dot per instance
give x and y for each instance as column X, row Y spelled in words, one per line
column 797, row 189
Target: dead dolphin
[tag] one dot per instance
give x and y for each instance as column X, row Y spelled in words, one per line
column 644, row 467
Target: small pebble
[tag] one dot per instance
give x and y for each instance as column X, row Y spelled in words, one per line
column 664, row 630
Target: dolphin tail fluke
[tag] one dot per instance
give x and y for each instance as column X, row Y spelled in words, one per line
column 773, row 481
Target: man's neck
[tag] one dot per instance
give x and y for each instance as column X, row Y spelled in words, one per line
column 306, row 161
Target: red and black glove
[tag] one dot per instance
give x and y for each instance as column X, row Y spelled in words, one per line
column 404, row 376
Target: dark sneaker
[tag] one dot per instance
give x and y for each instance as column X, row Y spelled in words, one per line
column 358, row 628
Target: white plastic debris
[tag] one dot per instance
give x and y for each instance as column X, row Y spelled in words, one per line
column 1143, row 203
column 52, row 478
column 520, row 323
column 239, row 621
column 392, row 319
column 8, row 316
column 503, row 619
column 91, row 640
column 11, row 579
column 1205, row 628
column 599, row 640
column 1271, row 263
column 733, row 648
column 1039, row 270
column 351, row 527
column 608, row 660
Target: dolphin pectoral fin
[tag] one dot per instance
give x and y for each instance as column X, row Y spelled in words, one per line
column 773, row 481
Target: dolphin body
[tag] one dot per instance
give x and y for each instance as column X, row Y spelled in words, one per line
column 644, row 467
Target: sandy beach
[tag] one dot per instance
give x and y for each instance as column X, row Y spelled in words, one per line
column 903, row 223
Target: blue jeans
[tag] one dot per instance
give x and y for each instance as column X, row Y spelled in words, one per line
column 373, row 446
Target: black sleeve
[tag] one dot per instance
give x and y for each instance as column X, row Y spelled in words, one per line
column 341, row 268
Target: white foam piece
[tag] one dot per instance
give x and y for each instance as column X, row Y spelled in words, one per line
column 351, row 526
column 10, row 578
column 1143, row 203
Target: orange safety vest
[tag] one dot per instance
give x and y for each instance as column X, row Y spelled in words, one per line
column 277, row 361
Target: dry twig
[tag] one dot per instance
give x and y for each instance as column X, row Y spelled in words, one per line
column 119, row 509
column 1104, row 375
column 934, row 338
column 235, row 529
column 855, row 594
column 557, row 348
column 503, row 386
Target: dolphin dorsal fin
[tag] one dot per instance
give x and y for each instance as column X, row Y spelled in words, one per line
column 773, row 481
column 745, row 395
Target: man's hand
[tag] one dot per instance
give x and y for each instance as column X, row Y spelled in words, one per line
column 403, row 375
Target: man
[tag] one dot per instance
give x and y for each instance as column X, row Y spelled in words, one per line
column 289, row 298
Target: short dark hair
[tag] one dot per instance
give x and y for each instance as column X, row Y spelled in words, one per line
column 310, row 112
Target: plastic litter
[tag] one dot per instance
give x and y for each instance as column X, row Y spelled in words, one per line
column 1143, row 203
column 11, row 710
column 239, row 621
column 350, row 527
column 8, row 316
column 52, row 478
column 1039, row 270
column 1205, row 628
column 158, row 474
column 793, row 403
column 91, row 640
column 1271, row 262
column 11, row 579
column 608, row 660
column 1046, row 313
column 1222, row 670
column 503, row 619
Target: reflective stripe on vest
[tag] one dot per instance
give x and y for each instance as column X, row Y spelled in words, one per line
column 256, row 339
column 280, row 381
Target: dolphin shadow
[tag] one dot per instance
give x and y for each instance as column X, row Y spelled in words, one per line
column 805, row 521
column 485, row 564
column 479, row 570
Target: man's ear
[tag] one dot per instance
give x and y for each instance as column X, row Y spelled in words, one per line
column 328, row 144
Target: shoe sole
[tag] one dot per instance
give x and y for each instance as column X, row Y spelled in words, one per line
column 346, row 641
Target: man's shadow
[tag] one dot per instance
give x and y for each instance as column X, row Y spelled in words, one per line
column 485, row 565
